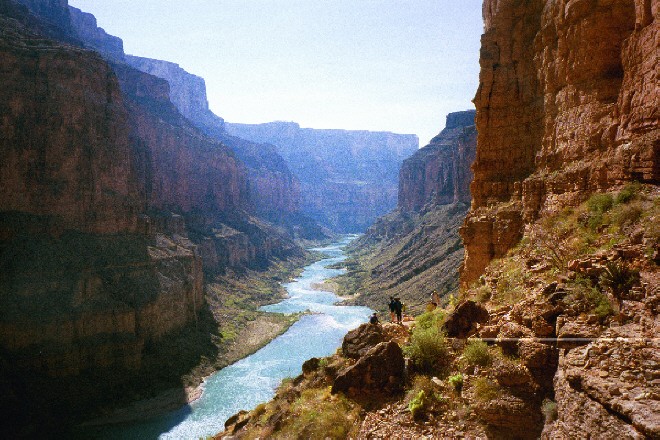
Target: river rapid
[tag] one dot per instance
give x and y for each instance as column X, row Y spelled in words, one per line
column 252, row 380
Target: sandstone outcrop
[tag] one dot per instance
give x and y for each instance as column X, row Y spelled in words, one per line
column 567, row 104
column 465, row 318
column 380, row 370
column 348, row 178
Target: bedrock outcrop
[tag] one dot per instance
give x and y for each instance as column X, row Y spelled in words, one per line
column 567, row 104
column 348, row 178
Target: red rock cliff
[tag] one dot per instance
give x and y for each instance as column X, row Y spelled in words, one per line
column 567, row 104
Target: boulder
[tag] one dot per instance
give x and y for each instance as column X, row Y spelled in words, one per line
column 464, row 319
column 357, row 342
column 381, row 370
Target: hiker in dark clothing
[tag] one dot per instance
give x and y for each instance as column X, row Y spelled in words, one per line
column 374, row 319
column 392, row 306
column 398, row 309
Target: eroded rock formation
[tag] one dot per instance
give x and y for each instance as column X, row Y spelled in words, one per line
column 567, row 104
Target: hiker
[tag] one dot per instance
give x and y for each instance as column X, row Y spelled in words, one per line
column 392, row 306
column 374, row 319
column 435, row 298
column 398, row 309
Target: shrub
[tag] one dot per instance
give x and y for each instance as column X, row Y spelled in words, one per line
column 628, row 193
column 585, row 297
column 485, row 389
column 549, row 410
column 619, row 278
column 626, row 214
column 600, row 203
column 317, row 414
column 427, row 349
column 456, row 382
column 476, row 353
column 419, row 405
column 433, row 318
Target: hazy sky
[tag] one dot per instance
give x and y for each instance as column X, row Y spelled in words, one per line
column 394, row 65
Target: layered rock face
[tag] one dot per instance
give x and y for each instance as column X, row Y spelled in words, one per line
column 69, row 164
column 567, row 104
column 111, row 206
column 187, row 92
column 440, row 173
column 348, row 178
column 94, row 37
column 274, row 192
column 416, row 249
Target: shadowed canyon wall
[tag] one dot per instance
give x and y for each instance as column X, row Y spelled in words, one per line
column 274, row 192
column 416, row 248
column 112, row 206
column 348, row 178
column 567, row 104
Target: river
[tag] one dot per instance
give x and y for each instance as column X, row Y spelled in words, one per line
column 252, row 380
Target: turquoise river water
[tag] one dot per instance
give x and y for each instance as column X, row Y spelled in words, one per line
column 253, row 380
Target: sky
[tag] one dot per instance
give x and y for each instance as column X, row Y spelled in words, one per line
column 380, row 65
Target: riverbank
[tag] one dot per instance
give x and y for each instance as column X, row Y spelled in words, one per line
column 239, row 330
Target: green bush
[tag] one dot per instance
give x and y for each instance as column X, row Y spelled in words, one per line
column 626, row 214
column 600, row 203
column 628, row 193
column 588, row 298
column 419, row 405
column 485, row 389
column 476, row 353
column 619, row 278
column 426, row 320
column 427, row 349
column 456, row 382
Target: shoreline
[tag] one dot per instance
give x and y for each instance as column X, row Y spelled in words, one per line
column 255, row 335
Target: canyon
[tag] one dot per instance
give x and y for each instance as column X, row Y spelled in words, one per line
column 416, row 249
column 347, row 178
column 553, row 331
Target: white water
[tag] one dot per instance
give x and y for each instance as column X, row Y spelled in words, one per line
column 253, row 380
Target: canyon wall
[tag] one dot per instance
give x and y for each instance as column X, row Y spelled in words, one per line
column 439, row 173
column 274, row 192
column 112, row 207
column 567, row 104
column 348, row 178
column 416, row 249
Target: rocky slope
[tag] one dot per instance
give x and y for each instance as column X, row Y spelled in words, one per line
column 348, row 178
column 567, row 104
column 416, row 249
column 112, row 206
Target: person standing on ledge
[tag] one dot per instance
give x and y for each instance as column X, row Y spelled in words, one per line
column 392, row 306
column 398, row 309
